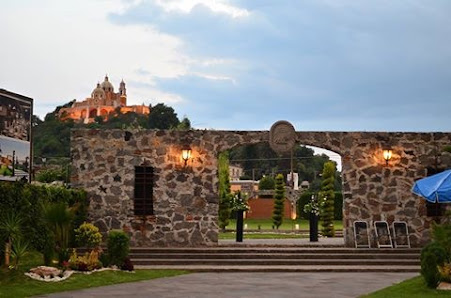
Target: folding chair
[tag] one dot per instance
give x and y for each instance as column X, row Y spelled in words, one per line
column 361, row 234
column 401, row 234
column 383, row 237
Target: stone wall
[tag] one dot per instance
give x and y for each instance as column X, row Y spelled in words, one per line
column 186, row 200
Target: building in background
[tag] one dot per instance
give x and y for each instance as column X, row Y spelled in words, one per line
column 103, row 102
column 235, row 172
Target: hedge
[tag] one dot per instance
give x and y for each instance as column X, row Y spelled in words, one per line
column 26, row 200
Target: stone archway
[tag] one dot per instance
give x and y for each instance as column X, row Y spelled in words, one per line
column 186, row 200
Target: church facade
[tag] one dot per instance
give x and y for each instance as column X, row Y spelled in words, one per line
column 102, row 102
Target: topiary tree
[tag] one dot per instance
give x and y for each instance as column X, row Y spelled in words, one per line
column 225, row 196
column 279, row 197
column 327, row 197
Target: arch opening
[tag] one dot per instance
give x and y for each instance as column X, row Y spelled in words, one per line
column 251, row 166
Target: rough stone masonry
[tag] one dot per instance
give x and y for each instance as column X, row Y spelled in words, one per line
column 186, row 197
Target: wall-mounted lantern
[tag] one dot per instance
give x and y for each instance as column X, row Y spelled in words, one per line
column 387, row 155
column 186, row 153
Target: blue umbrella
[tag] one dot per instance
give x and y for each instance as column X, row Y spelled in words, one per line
column 435, row 188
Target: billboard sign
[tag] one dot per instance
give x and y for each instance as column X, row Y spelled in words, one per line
column 15, row 136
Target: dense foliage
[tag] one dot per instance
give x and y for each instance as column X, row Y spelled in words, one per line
column 118, row 244
column 26, row 202
column 436, row 256
column 327, row 197
column 432, row 256
column 260, row 160
column 51, row 137
column 279, row 198
column 266, row 183
column 224, row 191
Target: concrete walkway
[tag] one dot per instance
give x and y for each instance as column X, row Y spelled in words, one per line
column 249, row 285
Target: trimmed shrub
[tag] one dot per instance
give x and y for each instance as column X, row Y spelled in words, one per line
column 279, row 198
column 88, row 235
column 118, row 244
column 327, row 198
column 432, row 256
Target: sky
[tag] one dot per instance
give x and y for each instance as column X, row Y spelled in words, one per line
column 323, row 65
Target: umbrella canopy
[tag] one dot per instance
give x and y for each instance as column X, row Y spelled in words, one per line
column 435, row 188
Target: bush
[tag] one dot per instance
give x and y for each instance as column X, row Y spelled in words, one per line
column 266, row 183
column 127, row 265
column 104, row 259
column 88, row 235
column 87, row 262
column 432, row 256
column 23, row 199
column 118, row 244
column 50, row 175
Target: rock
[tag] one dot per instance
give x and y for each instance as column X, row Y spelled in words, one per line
column 45, row 271
column 444, row 286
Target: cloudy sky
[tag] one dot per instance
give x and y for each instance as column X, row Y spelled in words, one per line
column 321, row 64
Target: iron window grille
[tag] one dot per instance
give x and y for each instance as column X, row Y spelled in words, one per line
column 143, row 201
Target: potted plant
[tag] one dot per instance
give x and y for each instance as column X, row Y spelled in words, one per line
column 239, row 205
column 312, row 209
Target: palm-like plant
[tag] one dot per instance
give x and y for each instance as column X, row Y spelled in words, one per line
column 19, row 249
column 59, row 217
column 10, row 228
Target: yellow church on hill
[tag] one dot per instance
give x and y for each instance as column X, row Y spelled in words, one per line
column 102, row 102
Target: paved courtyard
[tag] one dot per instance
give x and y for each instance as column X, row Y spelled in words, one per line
column 258, row 285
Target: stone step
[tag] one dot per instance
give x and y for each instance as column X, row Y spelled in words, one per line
column 278, row 268
column 265, row 262
column 361, row 256
column 276, row 250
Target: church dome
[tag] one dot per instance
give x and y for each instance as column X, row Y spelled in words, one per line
column 98, row 92
column 107, row 86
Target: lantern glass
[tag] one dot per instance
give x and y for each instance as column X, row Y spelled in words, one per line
column 186, row 154
column 387, row 154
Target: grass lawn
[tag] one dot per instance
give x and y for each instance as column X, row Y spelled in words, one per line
column 13, row 283
column 232, row 235
column 266, row 224
column 411, row 288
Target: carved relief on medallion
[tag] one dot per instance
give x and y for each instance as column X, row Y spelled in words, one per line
column 282, row 137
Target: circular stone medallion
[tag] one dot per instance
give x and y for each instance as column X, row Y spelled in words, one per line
column 282, row 137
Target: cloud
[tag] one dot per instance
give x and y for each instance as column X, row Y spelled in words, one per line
column 349, row 61
column 322, row 64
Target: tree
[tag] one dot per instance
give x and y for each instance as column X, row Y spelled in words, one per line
column 163, row 117
column 327, row 196
column 279, row 197
column 185, row 124
column 266, row 183
column 224, row 190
